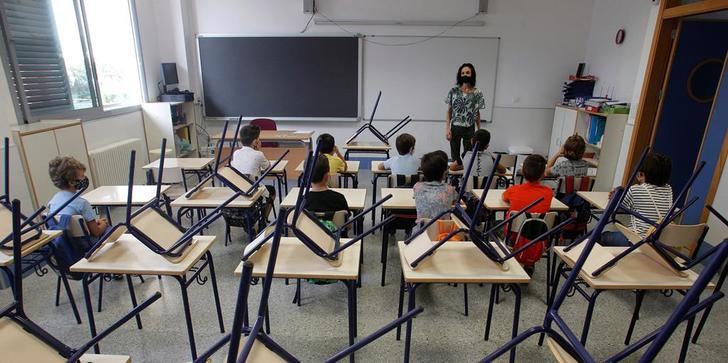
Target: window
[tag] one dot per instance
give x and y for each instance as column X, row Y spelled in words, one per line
column 71, row 58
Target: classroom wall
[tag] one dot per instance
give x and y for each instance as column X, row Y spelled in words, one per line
column 537, row 50
column 621, row 67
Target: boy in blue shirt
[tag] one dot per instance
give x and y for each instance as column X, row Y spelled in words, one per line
column 68, row 175
column 405, row 163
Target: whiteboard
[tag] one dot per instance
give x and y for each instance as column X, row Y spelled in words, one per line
column 414, row 79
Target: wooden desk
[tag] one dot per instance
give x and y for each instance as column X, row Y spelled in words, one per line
column 598, row 200
column 296, row 261
column 402, row 198
column 108, row 196
column 636, row 271
column 494, row 201
column 272, row 135
column 201, row 167
column 352, row 171
column 128, row 256
column 364, row 147
column 6, row 255
column 213, row 197
column 355, row 198
column 18, row 345
column 279, row 172
column 459, row 262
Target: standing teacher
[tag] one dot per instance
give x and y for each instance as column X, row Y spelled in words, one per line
column 464, row 103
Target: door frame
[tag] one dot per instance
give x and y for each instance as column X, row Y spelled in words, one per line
column 664, row 42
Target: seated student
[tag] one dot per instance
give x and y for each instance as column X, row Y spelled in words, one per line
column 251, row 161
column 483, row 161
column 650, row 197
column 405, row 163
column 320, row 198
column 573, row 164
column 68, row 175
column 432, row 195
column 327, row 146
column 519, row 197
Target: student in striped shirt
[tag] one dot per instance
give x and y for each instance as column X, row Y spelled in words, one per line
column 650, row 197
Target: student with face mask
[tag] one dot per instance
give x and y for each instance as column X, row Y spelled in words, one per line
column 69, row 175
column 464, row 103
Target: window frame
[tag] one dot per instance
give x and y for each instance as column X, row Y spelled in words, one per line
column 22, row 111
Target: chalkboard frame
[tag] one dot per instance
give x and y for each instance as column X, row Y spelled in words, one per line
column 359, row 86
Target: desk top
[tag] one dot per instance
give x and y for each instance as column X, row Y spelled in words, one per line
column 375, row 170
column 461, row 262
column 355, row 198
column 212, row 197
column 280, row 168
column 636, row 271
column 6, row 255
column 367, row 145
column 295, row 260
column 184, row 163
column 598, row 200
column 402, row 198
column 494, row 201
column 352, row 167
column 129, row 256
column 114, row 195
column 271, row 135
column 19, row 345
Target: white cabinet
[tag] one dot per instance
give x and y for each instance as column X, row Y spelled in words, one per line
column 564, row 126
column 174, row 121
column 38, row 143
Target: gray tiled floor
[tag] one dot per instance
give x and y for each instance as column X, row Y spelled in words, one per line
column 318, row 328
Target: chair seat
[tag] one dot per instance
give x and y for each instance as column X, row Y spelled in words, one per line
column 19, row 345
column 560, row 354
column 259, row 353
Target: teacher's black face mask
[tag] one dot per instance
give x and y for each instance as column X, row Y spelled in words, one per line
column 466, row 79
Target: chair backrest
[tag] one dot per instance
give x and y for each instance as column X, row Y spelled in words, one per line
column 234, row 178
column 266, row 124
column 527, row 220
column 478, row 182
column 77, row 227
column 403, row 181
column 572, row 184
column 333, row 180
column 6, row 227
column 339, row 217
column 685, row 238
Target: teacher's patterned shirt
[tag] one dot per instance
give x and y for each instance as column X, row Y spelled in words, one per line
column 465, row 106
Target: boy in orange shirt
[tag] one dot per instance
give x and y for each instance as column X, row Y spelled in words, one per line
column 520, row 196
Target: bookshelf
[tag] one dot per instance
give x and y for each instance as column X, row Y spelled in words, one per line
column 605, row 143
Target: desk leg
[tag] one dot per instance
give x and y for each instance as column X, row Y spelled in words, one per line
column 588, row 317
column 489, row 315
column 401, row 303
column 686, row 340
column 351, row 294
column 355, row 181
column 516, row 317
column 89, row 308
column 132, row 294
column 411, row 289
column 385, row 240
column 188, row 316
column 215, row 292
column 635, row 315
column 184, row 178
column 374, row 197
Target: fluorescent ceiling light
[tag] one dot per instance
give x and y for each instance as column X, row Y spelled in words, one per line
column 399, row 22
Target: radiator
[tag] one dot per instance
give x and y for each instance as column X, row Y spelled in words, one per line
column 110, row 164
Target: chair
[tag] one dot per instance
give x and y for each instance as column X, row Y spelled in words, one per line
column 566, row 189
column 509, row 162
column 37, row 344
column 266, row 124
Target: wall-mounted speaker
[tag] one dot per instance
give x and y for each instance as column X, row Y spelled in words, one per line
column 309, row 6
column 482, row 6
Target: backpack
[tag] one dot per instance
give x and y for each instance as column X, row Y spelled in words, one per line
column 533, row 226
column 67, row 250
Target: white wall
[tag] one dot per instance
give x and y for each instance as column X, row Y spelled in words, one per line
column 541, row 43
column 621, row 67
column 616, row 65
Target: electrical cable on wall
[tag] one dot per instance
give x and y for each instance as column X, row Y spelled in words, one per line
column 364, row 36
column 307, row 23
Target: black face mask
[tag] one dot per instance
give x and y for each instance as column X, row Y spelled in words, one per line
column 81, row 184
column 466, row 79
